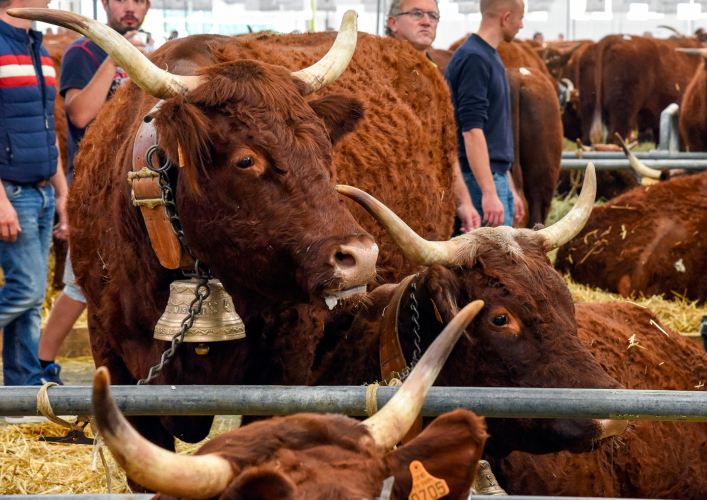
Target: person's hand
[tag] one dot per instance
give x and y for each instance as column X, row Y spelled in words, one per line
column 139, row 44
column 61, row 229
column 469, row 216
column 9, row 223
column 518, row 208
column 493, row 210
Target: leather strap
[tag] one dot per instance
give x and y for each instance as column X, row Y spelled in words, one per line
column 392, row 358
column 147, row 195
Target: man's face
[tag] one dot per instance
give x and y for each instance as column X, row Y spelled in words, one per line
column 421, row 32
column 125, row 15
column 513, row 22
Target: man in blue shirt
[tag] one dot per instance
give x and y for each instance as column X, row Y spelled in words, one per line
column 31, row 179
column 482, row 110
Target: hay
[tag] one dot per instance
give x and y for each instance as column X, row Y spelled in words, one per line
column 30, row 466
column 677, row 313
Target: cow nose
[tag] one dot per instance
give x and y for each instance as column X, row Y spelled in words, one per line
column 354, row 262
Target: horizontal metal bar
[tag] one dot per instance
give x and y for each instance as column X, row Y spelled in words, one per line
column 623, row 164
column 286, row 400
column 654, row 154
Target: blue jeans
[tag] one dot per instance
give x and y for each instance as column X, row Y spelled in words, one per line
column 503, row 188
column 24, row 263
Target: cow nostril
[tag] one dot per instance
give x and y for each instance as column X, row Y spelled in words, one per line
column 344, row 260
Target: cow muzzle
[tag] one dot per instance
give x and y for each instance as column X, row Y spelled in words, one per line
column 354, row 265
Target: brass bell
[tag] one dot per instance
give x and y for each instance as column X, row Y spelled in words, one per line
column 217, row 321
column 485, row 482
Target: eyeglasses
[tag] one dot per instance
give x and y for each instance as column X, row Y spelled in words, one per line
column 418, row 14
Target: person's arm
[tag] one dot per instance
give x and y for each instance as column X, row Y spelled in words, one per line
column 465, row 208
column 61, row 191
column 478, row 155
column 9, row 223
column 518, row 207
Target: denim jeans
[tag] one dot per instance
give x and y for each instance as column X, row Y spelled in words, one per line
column 503, row 188
column 24, row 263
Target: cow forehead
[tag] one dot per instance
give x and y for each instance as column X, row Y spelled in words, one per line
column 517, row 244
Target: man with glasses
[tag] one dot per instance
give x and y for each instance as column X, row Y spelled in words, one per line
column 415, row 21
column 482, row 109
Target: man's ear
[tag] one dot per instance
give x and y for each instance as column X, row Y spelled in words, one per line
column 340, row 114
column 260, row 483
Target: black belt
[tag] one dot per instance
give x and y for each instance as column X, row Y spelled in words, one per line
column 40, row 184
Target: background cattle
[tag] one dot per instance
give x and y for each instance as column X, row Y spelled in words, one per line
column 651, row 459
column 523, row 337
column 635, row 79
column 649, row 240
column 693, row 112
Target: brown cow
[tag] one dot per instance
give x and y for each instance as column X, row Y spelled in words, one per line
column 635, row 79
column 649, row 240
column 693, row 112
column 314, row 456
column 256, row 198
column 651, row 459
column 523, row 337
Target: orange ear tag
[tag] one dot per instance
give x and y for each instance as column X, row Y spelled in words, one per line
column 179, row 152
column 424, row 485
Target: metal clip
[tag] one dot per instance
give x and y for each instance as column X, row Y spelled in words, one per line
column 73, row 437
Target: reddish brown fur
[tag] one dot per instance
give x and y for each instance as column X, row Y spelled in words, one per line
column 651, row 459
column 537, row 348
column 332, row 456
column 665, row 223
column 635, row 80
column 262, row 252
column 693, row 112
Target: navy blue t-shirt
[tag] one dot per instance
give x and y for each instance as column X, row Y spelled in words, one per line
column 482, row 99
column 81, row 60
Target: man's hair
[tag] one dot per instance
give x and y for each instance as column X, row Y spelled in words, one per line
column 394, row 10
column 494, row 8
column 5, row 3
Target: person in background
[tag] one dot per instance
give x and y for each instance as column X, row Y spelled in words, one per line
column 34, row 187
column 482, row 110
column 701, row 35
column 88, row 78
column 560, row 37
column 415, row 21
column 173, row 35
column 538, row 37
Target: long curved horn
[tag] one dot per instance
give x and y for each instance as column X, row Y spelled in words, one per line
column 674, row 30
column 147, row 76
column 640, row 168
column 571, row 224
column 417, row 249
column 568, row 83
column 202, row 476
column 691, row 52
column 394, row 420
column 330, row 67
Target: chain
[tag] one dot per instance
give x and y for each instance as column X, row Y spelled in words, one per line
column 416, row 327
column 201, row 271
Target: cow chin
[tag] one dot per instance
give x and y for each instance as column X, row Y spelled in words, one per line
column 581, row 435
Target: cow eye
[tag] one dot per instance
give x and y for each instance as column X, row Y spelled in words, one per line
column 500, row 320
column 245, row 162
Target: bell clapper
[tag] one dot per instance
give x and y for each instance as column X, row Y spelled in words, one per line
column 202, row 349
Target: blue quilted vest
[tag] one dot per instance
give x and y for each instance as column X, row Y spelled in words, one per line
column 28, row 151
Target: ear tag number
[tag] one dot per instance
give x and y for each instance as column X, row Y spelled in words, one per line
column 424, row 485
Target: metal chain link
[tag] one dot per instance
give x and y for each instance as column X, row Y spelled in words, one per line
column 416, row 327
column 201, row 271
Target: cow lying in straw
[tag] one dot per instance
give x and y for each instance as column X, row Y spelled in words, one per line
column 312, row 456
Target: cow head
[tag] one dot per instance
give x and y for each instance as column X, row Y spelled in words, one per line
column 254, row 191
column 526, row 335
column 311, row 456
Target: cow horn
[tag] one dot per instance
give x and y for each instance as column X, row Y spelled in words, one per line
column 571, row 224
column 692, row 52
column 674, row 30
column 417, row 249
column 330, row 67
column 202, row 476
column 568, row 83
column 640, row 168
column 146, row 75
column 393, row 421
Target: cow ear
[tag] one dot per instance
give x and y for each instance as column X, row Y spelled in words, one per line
column 340, row 114
column 457, row 437
column 443, row 287
column 260, row 483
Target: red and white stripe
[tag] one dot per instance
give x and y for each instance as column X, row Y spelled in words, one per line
column 18, row 71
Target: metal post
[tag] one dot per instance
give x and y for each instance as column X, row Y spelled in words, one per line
column 669, row 129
